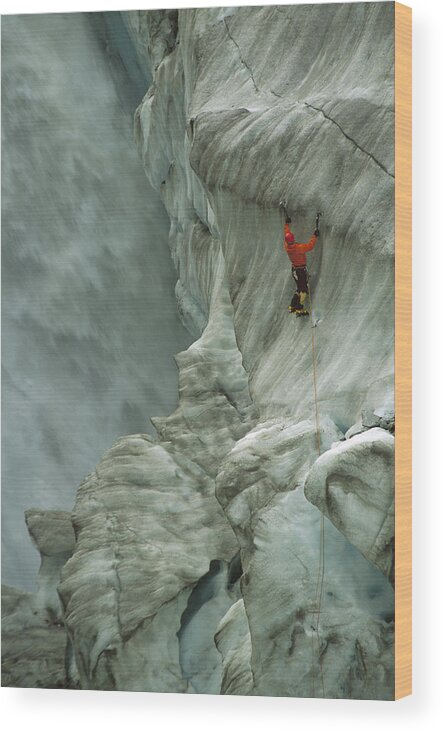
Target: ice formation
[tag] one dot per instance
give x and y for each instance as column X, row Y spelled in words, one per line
column 196, row 560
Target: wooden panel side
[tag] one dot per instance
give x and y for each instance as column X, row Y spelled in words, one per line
column 403, row 350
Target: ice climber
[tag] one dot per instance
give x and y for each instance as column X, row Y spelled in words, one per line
column 297, row 254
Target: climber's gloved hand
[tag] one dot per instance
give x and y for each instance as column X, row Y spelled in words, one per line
column 316, row 232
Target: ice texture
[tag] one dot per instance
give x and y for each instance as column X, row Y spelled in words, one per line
column 89, row 321
column 352, row 485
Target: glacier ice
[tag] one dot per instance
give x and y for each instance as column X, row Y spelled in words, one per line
column 242, row 112
column 352, row 485
column 85, row 267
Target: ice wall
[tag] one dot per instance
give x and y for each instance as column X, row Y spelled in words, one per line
column 253, row 105
column 295, row 103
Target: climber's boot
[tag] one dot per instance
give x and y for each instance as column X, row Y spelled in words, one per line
column 298, row 311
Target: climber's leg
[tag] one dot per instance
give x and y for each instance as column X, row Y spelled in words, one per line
column 300, row 276
column 302, row 282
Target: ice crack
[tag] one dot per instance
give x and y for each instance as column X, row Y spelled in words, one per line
column 240, row 54
column 311, row 106
column 348, row 137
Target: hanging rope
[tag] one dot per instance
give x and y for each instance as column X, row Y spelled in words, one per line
column 321, row 562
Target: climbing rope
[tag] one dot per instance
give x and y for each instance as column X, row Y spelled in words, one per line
column 321, row 562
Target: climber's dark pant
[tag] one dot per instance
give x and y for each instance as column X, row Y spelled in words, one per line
column 300, row 275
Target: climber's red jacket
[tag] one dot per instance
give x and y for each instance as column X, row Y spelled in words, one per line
column 296, row 251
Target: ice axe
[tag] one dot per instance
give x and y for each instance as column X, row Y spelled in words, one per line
column 282, row 205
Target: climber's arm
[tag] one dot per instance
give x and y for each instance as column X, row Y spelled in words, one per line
column 301, row 248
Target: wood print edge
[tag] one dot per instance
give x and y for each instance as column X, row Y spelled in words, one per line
column 403, row 351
